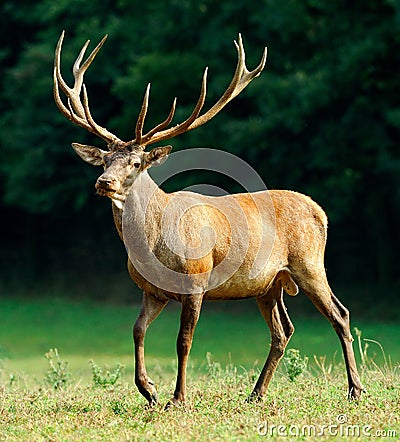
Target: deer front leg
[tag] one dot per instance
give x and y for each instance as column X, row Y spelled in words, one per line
column 191, row 306
column 151, row 308
column 274, row 312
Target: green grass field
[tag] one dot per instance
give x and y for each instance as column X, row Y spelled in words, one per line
column 232, row 332
column 236, row 337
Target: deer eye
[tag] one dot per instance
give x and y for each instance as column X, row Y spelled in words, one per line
column 134, row 162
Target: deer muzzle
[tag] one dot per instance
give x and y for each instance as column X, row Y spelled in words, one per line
column 107, row 185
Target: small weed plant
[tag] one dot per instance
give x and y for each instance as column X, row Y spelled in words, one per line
column 295, row 364
column 105, row 378
column 58, row 375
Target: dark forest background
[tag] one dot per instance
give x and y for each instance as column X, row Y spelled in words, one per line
column 323, row 119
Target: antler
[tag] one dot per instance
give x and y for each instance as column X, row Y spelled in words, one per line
column 77, row 111
column 241, row 79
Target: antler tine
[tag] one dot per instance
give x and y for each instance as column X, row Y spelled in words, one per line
column 68, row 112
column 77, row 71
column 59, row 81
column 77, row 111
column 242, row 77
column 197, row 109
column 162, row 125
column 157, row 133
column 240, row 80
column 142, row 116
column 140, row 139
column 248, row 75
column 92, row 55
column 57, row 63
column 180, row 128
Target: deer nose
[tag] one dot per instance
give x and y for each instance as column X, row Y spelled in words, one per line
column 106, row 182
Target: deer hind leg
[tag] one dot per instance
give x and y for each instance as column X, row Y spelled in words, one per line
column 151, row 308
column 317, row 289
column 191, row 307
column 274, row 312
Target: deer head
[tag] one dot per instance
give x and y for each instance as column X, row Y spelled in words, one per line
column 122, row 165
column 123, row 161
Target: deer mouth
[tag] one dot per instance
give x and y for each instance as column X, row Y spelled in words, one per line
column 106, row 187
column 101, row 191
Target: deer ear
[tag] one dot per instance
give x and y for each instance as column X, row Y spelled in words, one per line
column 90, row 154
column 157, row 156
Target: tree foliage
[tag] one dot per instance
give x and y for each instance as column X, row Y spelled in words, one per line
column 324, row 117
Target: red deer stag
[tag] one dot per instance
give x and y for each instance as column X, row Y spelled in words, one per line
column 247, row 245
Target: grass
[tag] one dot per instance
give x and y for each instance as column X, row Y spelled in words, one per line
column 232, row 332
column 88, row 409
column 216, row 409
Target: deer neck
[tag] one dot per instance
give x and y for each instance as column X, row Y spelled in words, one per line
column 145, row 198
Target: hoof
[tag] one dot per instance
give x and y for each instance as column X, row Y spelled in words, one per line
column 173, row 403
column 355, row 393
column 254, row 397
column 149, row 391
column 152, row 399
